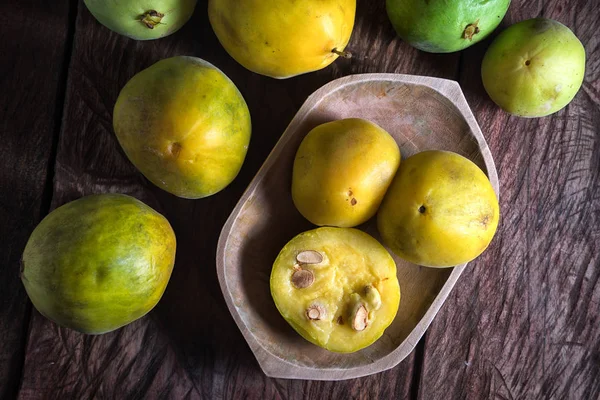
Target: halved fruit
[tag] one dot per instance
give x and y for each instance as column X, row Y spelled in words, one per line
column 337, row 287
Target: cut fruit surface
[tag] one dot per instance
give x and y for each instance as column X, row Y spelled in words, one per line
column 345, row 296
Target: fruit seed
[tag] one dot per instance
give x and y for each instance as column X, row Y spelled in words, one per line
column 359, row 315
column 373, row 297
column 315, row 312
column 302, row 278
column 359, row 318
column 309, row 257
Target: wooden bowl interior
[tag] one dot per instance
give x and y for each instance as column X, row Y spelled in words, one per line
column 419, row 118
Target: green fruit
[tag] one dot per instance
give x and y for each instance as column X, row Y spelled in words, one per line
column 534, row 68
column 142, row 20
column 184, row 125
column 98, row 263
column 337, row 287
column 444, row 26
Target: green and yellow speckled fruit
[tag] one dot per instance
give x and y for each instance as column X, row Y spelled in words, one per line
column 185, row 125
column 99, row 262
column 337, row 287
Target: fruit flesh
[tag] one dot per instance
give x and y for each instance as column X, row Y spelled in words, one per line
column 142, row 19
column 444, row 26
column 282, row 38
column 99, row 262
column 534, row 68
column 352, row 260
column 342, row 170
column 439, row 211
column 184, row 125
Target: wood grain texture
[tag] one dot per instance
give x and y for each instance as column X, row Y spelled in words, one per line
column 30, row 110
column 524, row 320
column 189, row 346
column 420, row 113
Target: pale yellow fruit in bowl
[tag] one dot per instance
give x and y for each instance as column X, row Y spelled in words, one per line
column 342, row 170
column 440, row 211
column 337, row 287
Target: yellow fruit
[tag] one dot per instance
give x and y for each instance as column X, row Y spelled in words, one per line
column 184, row 125
column 99, row 262
column 283, row 38
column 337, row 287
column 439, row 211
column 342, row 170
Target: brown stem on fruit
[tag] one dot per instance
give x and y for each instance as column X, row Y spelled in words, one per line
column 471, row 30
column 342, row 53
column 151, row 18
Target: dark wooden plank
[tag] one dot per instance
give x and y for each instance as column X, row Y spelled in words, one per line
column 189, row 345
column 524, row 320
column 34, row 46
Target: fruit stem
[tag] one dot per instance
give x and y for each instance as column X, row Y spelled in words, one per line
column 342, row 53
column 151, row 18
column 471, row 30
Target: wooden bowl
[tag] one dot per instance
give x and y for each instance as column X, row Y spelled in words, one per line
column 421, row 113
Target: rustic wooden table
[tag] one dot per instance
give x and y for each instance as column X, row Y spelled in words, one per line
column 523, row 321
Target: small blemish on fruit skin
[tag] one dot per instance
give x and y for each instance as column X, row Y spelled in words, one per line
column 546, row 106
column 175, row 149
column 485, row 220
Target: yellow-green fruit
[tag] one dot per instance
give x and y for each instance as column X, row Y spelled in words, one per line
column 342, row 170
column 98, row 263
column 439, row 211
column 184, row 125
column 534, row 68
column 283, row 38
column 337, row 287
